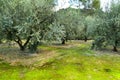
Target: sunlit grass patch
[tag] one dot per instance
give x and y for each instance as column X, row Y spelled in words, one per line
column 74, row 61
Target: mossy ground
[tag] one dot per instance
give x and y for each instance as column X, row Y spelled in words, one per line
column 73, row 61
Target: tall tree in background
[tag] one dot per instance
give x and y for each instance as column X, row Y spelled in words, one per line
column 96, row 4
column 91, row 4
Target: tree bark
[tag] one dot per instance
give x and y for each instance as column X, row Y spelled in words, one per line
column 27, row 41
column 0, row 41
column 85, row 39
column 22, row 48
column 115, row 46
column 63, row 40
column 115, row 49
column 21, row 45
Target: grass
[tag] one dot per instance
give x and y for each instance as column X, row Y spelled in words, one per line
column 73, row 61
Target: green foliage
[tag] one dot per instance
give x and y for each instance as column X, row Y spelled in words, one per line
column 107, row 24
column 27, row 20
column 96, row 4
column 91, row 4
column 70, row 19
column 86, row 27
column 77, row 24
column 98, row 43
column 56, row 32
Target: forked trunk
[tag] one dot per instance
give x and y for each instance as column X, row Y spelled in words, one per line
column 22, row 48
column 20, row 43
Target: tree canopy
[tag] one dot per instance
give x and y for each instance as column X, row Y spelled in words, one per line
column 26, row 22
column 29, row 22
column 107, row 27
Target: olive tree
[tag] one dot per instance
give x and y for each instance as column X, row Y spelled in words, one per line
column 107, row 27
column 26, row 21
column 86, row 26
column 70, row 19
